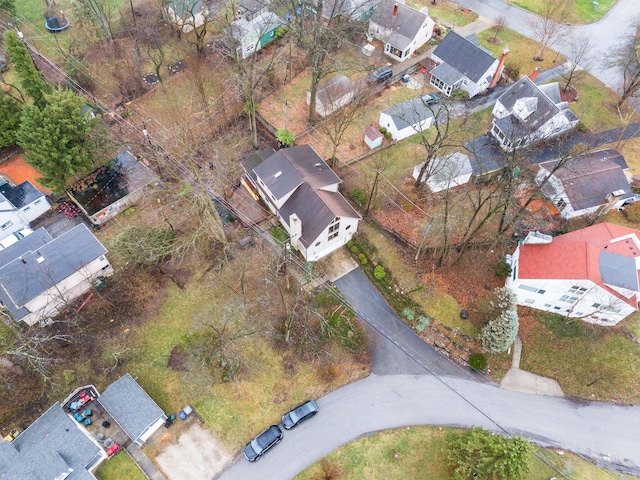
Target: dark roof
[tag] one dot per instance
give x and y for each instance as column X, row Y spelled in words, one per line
column 316, row 210
column 255, row 159
column 464, row 56
column 42, row 267
column 111, row 182
column 130, row 406
column 30, row 243
column 405, row 25
column 48, row 448
column 409, row 113
column 618, row 270
column 288, row 168
column 527, row 92
column 20, row 195
column 589, row 179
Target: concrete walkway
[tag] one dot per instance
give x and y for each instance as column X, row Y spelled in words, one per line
column 527, row 382
column 146, row 465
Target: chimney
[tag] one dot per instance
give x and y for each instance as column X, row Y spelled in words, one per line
column 533, row 75
column 395, row 10
column 498, row 72
column 295, row 229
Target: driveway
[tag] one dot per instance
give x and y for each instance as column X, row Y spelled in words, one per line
column 606, row 434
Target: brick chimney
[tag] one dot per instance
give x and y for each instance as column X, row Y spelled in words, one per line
column 395, row 10
column 498, row 72
column 534, row 75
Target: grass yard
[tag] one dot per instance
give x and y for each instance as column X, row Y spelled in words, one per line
column 118, row 467
column 588, row 361
column 578, row 11
column 416, row 453
column 445, row 12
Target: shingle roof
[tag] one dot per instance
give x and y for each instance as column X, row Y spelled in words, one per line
column 405, row 25
column 524, row 89
column 464, row 56
column 50, row 447
column 409, row 113
column 588, row 179
column 334, row 89
column 38, row 269
column 20, row 195
column 130, row 406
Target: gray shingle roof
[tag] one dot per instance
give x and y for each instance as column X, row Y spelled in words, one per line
column 38, row 269
column 464, row 56
column 334, row 89
column 130, row 406
column 618, row 270
column 20, row 195
column 524, row 89
column 410, row 113
column 30, row 243
column 49, row 447
column 588, row 179
column 405, row 25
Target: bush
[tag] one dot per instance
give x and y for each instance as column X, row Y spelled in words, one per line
column 350, row 243
column 383, row 130
column 363, row 259
column 355, row 249
column 286, row 137
column 358, row 196
column 512, row 70
column 388, row 135
column 502, row 268
column 478, row 362
column 632, row 212
column 459, row 94
column 498, row 335
column 379, row 272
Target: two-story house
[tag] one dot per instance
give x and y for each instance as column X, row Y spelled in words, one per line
column 590, row 274
column 20, row 205
column 246, row 37
column 401, row 28
column 463, row 65
column 302, row 191
column 528, row 113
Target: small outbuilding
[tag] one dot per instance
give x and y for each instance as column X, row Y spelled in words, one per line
column 445, row 172
column 372, row 137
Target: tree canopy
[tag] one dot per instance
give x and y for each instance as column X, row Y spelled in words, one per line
column 10, row 111
column 57, row 138
column 481, row 455
column 32, row 81
column 498, row 335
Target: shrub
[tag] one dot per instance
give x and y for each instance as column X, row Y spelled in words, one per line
column 355, row 249
column 379, row 272
column 632, row 212
column 285, row 137
column 383, row 130
column 350, row 243
column 512, row 70
column 498, row 335
column 363, row 259
column 358, row 196
column 388, row 135
column 478, row 362
column 502, row 268
column 423, row 322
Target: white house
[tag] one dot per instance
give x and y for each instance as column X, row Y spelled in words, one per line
column 589, row 274
column 463, row 65
column 20, row 205
column 333, row 94
column 445, row 172
column 402, row 29
column 528, row 113
column 188, row 15
column 588, row 184
column 408, row 118
column 249, row 36
column 40, row 275
column 302, row 191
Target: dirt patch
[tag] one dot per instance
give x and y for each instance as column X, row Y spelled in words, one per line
column 178, row 360
column 197, row 455
column 569, row 95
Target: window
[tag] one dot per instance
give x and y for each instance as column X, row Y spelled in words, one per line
column 4, row 226
column 613, row 308
column 334, row 229
column 529, row 300
column 568, row 299
column 251, row 47
column 318, row 244
column 347, row 227
column 531, row 289
column 37, row 201
column 579, row 314
column 596, row 305
column 556, row 308
column 578, row 290
column 26, row 209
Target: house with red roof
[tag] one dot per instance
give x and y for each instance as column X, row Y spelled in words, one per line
column 589, row 274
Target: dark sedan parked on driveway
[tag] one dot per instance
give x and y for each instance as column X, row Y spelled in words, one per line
column 299, row 414
column 263, row 442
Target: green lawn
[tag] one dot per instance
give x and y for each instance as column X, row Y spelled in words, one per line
column 578, row 11
column 416, row 453
column 120, row 466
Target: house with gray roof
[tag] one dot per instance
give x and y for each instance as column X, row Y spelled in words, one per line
column 527, row 113
column 132, row 408
column 401, row 28
column 53, row 447
column 187, row 14
column 444, row 172
column 589, row 184
column 302, row 191
column 408, row 118
column 245, row 37
column 334, row 93
column 40, row 275
column 19, row 205
column 462, row 65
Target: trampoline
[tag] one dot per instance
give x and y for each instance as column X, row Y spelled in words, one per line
column 54, row 19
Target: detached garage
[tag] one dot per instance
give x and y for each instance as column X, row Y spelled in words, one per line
column 407, row 118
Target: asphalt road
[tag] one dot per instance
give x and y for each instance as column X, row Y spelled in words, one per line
column 605, row 433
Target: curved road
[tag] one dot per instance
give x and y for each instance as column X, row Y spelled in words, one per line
column 604, row 433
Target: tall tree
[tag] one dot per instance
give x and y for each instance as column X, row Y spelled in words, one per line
column 500, row 332
column 32, row 81
column 549, row 26
column 626, row 57
column 481, row 455
column 57, row 138
column 10, row 111
column 101, row 12
column 8, row 6
column 580, row 47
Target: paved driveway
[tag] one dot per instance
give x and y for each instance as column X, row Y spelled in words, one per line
column 604, row 433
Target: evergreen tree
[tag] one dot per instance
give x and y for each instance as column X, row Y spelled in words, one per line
column 498, row 335
column 10, row 111
column 57, row 138
column 481, row 455
column 8, row 6
column 32, row 81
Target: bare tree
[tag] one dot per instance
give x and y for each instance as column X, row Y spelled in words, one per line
column 626, row 58
column 580, row 47
column 101, row 11
column 549, row 26
column 498, row 26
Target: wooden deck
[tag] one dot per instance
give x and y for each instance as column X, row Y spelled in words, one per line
column 248, row 211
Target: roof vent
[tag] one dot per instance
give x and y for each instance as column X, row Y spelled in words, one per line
column 40, row 259
column 277, row 174
column 317, row 165
column 617, row 193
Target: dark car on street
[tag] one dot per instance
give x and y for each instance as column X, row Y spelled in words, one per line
column 299, row 414
column 380, row 75
column 263, row 442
